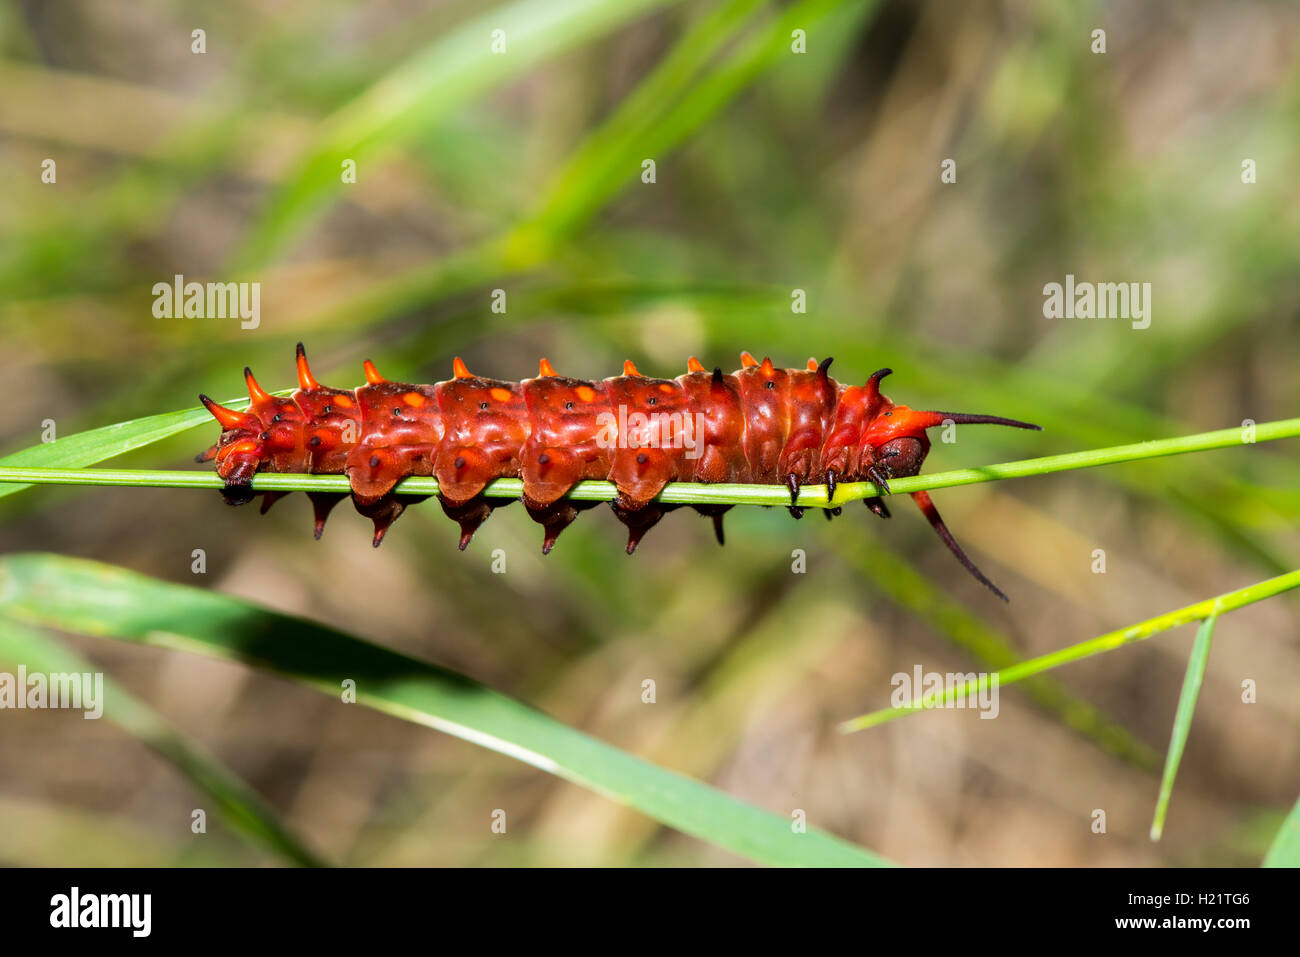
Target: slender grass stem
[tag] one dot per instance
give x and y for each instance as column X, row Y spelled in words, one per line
column 813, row 496
column 1209, row 608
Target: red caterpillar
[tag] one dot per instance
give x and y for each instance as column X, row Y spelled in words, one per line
column 761, row 425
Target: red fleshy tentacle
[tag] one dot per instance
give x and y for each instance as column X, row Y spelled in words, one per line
column 306, row 381
column 270, row 498
column 967, row 418
column 931, row 513
column 322, row 503
column 229, row 418
column 384, row 511
column 471, row 514
column 899, row 421
column 640, row 520
column 715, row 512
column 556, row 517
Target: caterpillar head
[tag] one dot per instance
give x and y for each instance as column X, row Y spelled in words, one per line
column 240, row 450
column 896, row 439
column 267, row 435
column 895, row 444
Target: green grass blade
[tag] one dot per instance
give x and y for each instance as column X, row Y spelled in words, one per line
column 1095, row 646
column 96, row 599
column 445, row 75
column 1285, row 849
column 601, row 166
column 95, row 445
column 669, row 106
column 1183, row 721
column 239, row 805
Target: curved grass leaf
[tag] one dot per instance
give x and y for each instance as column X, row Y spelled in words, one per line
column 667, row 108
column 1285, row 849
column 96, row 599
column 1183, row 721
column 598, row 169
column 239, row 805
column 445, row 75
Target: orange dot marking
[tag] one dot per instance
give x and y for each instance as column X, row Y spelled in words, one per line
column 342, row 400
column 501, row 395
column 413, row 399
column 586, row 393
